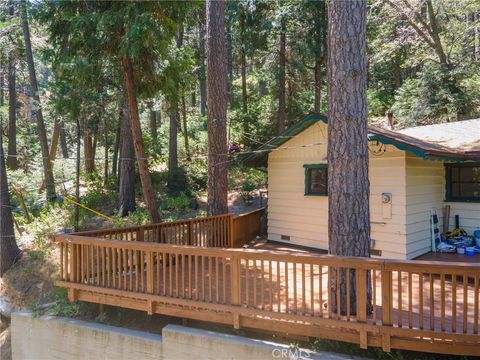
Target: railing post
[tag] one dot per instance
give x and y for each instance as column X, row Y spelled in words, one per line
column 140, row 235
column 73, row 264
column 232, row 231
column 150, row 272
column 387, row 298
column 189, row 229
column 361, row 284
column 235, row 280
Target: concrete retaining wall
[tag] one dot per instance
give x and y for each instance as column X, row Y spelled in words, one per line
column 50, row 337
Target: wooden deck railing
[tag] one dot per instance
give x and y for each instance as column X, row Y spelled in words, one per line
column 213, row 231
column 414, row 305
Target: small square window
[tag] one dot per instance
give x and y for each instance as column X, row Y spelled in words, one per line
column 316, row 179
column 463, row 182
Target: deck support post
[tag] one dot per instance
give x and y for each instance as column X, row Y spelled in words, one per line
column 140, row 234
column 232, row 231
column 387, row 298
column 150, row 272
column 190, row 232
column 236, row 320
column 235, row 280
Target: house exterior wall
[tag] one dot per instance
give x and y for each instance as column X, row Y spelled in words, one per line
column 425, row 187
column 400, row 230
column 305, row 218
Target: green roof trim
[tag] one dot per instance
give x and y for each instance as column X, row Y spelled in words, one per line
column 292, row 131
column 260, row 157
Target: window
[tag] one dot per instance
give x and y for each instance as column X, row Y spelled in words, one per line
column 463, row 182
column 316, row 179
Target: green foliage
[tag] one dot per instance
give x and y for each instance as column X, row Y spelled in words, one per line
column 49, row 221
column 378, row 102
column 436, row 95
column 178, row 203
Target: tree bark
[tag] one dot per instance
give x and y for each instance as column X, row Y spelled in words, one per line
column 88, row 153
column 42, row 134
column 77, row 175
column 202, row 75
column 243, row 60
column 217, row 108
column 153, row 127
column 172, row 144
column 138, row 140
column 105, row 133
column 230, row 20
column 318, row 84
column 63, row 140
column 116, row 146
column 348, row 182
column 185, row 129
column 281, row 82
column 12, row 161
column 126, row 191
column 9, row 250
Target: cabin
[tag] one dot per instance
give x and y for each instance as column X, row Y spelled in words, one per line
column 413, row 173
column 208, row 269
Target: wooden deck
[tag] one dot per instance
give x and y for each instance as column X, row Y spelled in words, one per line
column 447, row 257
column 416, row 305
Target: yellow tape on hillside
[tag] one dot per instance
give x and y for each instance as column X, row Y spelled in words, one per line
column 87, row 208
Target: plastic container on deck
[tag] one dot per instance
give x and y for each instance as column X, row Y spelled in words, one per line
column 470, row 251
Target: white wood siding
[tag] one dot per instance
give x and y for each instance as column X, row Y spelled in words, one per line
column 305, row 218
column 417, row 187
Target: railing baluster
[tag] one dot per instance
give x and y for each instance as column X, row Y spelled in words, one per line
column 420, row 299
column 329, row 293
column 304, row 303
column 286, row 288
column 399, row 300
column 279, row 289
column 442, row 302
column 262, row 289
column 465, row 302
column 217, row 281
column 475, row 303
column 454, row 303
column 432, row 303
column 254, row 283
column 410, row 301
column 164, row 263
column 348, row 293
column 312, row 292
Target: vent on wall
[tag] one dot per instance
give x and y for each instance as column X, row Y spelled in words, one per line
column 285, row 237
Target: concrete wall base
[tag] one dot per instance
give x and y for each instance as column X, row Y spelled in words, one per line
column 50, row 337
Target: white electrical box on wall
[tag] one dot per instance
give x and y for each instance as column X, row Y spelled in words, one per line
column 387, row 205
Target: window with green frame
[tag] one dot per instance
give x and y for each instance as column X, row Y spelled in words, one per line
column 316, row 179
column 462, row 182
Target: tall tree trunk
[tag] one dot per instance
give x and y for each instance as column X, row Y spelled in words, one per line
column 12, row 161
column 116, row 146
column 185, row 129
column 138, row 140
column 153, row 127
column 281, row 82
column 77, row 175
column 318, row 84
column 88, row 153
column 105, row 133
column 126, row 191
column 217, row 108
column 9, row 250
column 42, row 133
column 55, row 140
column 53, row 148
column 348, row 182
column 63, row 140
column 202, row 75
column 476, row 18
column 243, row 60
column 172, row 144
column 230, row 20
